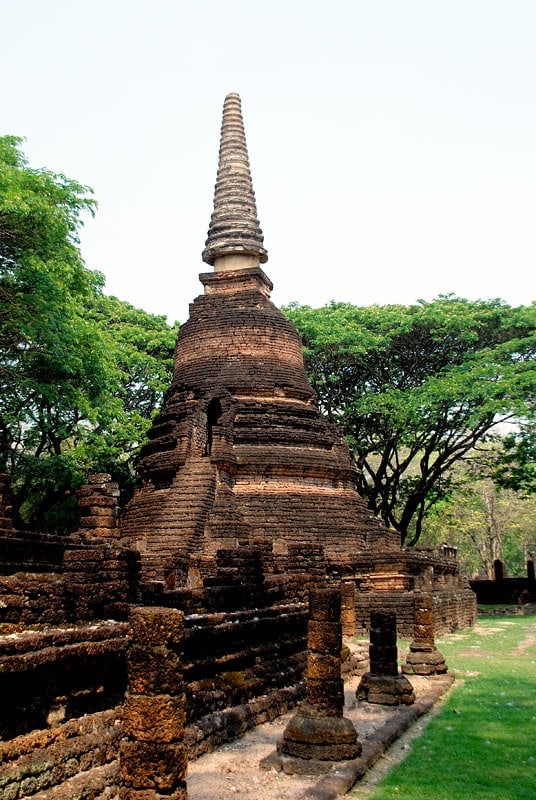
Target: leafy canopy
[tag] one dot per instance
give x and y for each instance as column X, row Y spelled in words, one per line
column 415, row 388
column 80, row 373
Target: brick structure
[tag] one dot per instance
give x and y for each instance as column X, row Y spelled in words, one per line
column 348, row 613
column 390, row 581
column 59, row 730
column 239, row 451
column 63, row 670
column 424, row 658
column 383, row 684
column 319, row 734
column 99, row 506
column 247, row 504
column 153, row 756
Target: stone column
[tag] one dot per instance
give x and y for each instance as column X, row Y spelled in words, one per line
column 383, row 684
column 153, row 756
column 98, row 503
column 319, row 734
column 348, row 615
column 424, row 658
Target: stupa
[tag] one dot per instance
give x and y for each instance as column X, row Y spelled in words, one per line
column 240, row 451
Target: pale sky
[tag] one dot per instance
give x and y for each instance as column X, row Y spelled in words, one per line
column 392, row 142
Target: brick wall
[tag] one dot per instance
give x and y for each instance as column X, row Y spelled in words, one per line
column 245, row 638
column 59, row 727
column 91, row 583
column 454, row 609
column 507, row 591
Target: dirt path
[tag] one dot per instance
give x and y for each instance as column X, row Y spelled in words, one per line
column 528, row 641
column 233, row 770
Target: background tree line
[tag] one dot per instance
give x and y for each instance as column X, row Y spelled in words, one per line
column 417, row 390
column 420, row 391
column 81, row 374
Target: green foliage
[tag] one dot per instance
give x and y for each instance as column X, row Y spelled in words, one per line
column 80, row 373
column 139, row 349
column 516, row 467
column 415, row 388
column 481, row 744
column 485, row 523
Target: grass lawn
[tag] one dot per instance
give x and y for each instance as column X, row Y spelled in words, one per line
column 482, row 744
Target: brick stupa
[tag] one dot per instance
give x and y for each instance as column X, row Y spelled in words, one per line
column 239, row 451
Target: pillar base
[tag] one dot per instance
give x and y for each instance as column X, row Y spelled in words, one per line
column 292, row 765
column 424, row 660
column 388, row 690
column 310, row 736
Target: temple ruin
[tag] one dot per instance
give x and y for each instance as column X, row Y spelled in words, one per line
column 246, row 504
column 240, row 451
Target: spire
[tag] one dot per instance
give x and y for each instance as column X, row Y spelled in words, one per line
column 234, row 228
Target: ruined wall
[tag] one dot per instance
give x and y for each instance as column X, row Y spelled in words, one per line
column 94, row 583
column 241, row 669
column 454, row 609
column 20, row 552
column 510, row 591
column 242, row 651
column 245, row 636
column 242, row 646
column 59, row 728
column 62, row 669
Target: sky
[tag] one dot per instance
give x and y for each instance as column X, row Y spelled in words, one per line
column 392, row 142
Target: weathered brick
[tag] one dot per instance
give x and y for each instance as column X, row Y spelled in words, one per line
column 154, row 719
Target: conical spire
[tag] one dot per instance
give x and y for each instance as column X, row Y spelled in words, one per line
column 234, row 228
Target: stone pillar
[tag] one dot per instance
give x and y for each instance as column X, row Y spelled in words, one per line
column 200, row 567
column 530, row 570
column 383, row 684
column 99, row 507
column 498, row 570
column 153, row 757
column 424, row 658
column 348, row 615
column 318, row 733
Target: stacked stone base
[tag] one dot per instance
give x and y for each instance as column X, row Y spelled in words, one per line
column 318, row 735
column 153, row 756
column 424, row 660
column 387, row 690
column 311, row 736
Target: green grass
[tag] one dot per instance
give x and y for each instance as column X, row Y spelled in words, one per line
column 483, row 742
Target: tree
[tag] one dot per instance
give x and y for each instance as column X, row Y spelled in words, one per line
column 137, row 350
column 416, row 388
column 485, row 523
column 50, row 372
column 140, row 347
column 516, row 466
column 80, row 374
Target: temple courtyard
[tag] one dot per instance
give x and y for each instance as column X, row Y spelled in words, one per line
column 233, row 770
